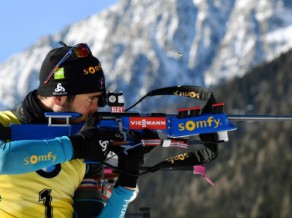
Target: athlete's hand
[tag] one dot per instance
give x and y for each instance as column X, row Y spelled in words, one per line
column 92, row 143
column 130, row 162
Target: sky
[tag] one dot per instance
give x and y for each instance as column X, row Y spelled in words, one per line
column 22, row 23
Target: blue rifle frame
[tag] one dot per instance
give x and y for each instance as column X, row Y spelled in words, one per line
column 171, row 125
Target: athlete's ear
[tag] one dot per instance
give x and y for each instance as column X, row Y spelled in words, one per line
column 58, row 100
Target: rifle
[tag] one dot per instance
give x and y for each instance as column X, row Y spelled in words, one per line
column 175, row 130
column 187, row 122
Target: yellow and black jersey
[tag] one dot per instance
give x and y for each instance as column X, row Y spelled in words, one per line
column 48, row 191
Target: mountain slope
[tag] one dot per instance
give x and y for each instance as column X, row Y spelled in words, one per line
column 252, row 174
column 148, row 44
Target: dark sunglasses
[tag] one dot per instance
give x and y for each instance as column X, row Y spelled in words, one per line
column 80, row 50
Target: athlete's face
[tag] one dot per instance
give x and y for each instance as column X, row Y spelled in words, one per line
column 85, row 104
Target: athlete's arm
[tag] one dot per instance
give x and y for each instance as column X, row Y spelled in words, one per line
column 31, row 155
column 91, row 143
column 118, row 203
column 89, row 199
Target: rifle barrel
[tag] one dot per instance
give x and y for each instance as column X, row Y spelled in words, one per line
column 277, row 118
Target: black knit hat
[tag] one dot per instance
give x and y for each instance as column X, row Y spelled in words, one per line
column 74, row 76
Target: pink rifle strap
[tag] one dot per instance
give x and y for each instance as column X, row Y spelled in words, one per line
column 201, row 170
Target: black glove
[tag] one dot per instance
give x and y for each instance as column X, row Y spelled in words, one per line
column 129, row 163
column 92, row 143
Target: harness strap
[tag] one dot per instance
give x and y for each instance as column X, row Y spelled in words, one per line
column 194, row 92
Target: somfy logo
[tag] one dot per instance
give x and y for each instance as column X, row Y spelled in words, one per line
column 33, row 159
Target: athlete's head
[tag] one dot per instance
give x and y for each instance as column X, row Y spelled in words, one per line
column 73, row 79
